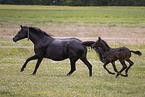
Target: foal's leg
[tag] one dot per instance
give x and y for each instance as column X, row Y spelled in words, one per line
column 86, row 62
column 73, row 67
column 29, row 59
column 37, row 65
column 123, row 68
column 131, row 63
column 114, row 67
column 105, row 64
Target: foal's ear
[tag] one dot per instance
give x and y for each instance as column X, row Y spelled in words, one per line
column 99, row 38
column 21, row 26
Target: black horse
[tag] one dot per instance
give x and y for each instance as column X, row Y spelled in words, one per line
column 46, row 46
column 113, row 54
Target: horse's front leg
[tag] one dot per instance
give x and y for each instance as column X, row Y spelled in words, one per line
column 37, row 65
column 105, row 64
column 114, row 67
column 29, row 59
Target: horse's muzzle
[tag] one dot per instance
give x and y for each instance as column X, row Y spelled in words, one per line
column 14, row 40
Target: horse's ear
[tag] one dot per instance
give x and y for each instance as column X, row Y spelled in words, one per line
column 99, row 38
column 21, row 26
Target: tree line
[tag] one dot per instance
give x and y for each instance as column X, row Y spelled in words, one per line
column 77, row 2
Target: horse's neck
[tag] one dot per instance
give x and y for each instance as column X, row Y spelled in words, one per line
column 105, row 48
column 37, row 37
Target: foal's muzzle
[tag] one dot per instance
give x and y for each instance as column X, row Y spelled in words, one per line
column 93, row 45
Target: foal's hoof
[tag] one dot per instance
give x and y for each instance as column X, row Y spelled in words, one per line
column 112, row 73
column 124, row 75
column 117, row 75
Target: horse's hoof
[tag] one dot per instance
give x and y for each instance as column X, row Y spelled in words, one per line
column 126, row 75
column 90, row 74
column 22, row 70
column 68, row 74
column 33, row 74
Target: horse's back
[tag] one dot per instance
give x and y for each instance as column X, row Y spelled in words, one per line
column 76, row 48
column 123, row 53
column 60, row 49
column 123, row 49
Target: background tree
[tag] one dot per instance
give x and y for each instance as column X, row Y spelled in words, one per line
column 77, row 2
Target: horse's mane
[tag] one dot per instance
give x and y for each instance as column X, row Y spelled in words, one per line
column 39, row 31
column 105, row 43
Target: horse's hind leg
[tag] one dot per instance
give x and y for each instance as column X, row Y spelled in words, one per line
column 131, row 63
column 86, row 62
column 73, row 67
column 29, row 59
column 123, row 68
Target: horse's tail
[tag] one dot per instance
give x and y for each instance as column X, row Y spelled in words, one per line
column 97, row 50
column 136, row 52
column 88, row 43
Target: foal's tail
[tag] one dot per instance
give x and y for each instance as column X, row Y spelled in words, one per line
column 136, row 52
column 98, row 50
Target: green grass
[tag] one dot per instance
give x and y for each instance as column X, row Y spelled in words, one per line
column 51, row 79
column 72, row 14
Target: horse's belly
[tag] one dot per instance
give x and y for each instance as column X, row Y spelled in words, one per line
column 111, row 58
column 56, row 56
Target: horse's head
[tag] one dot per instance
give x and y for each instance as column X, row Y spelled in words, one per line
column 22, row 33
column 97, row 43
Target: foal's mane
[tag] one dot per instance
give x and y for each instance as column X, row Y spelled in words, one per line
column 39, row 31
column 105, row 43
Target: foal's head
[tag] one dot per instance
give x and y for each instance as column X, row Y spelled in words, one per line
column 100, row 43
column 22, row 33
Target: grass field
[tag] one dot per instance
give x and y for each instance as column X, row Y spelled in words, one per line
column 54, row 13
column 64, row 21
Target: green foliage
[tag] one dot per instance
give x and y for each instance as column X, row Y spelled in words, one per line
column 77, row 2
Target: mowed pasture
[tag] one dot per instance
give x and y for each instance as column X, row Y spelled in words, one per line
column 119, row 26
